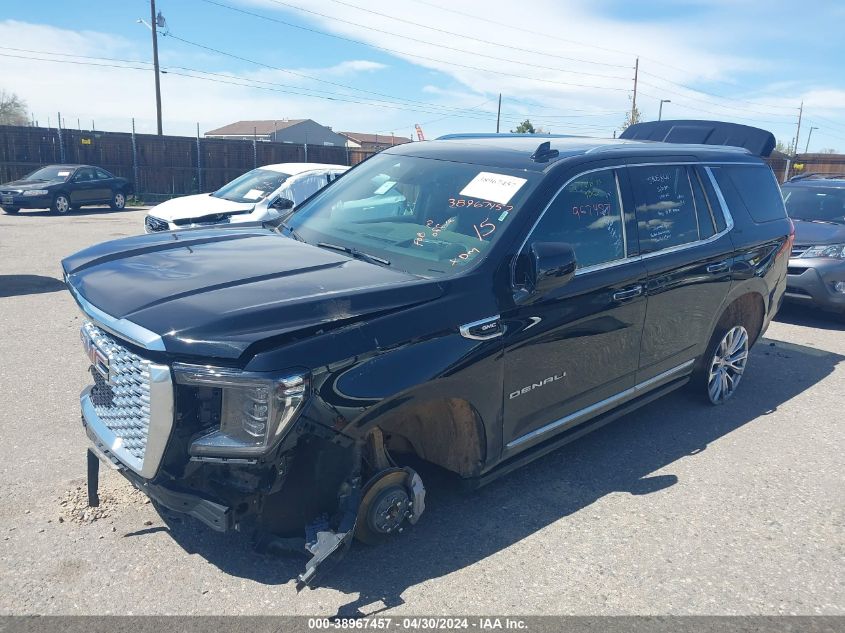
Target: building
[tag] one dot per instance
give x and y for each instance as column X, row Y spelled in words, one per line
column 299, row 131
column 372, row 142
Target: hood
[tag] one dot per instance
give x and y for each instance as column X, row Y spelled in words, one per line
column 213, row 293
column 31, row 184
column 812, row 233
column 197, row 206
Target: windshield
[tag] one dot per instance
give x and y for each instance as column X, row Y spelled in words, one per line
column 428, row 217
column 253, row 186
column 815, row 203
column 55, row 172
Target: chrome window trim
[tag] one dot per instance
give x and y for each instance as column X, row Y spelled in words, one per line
column 122, row 328
column 579, row 416
column 723, row 205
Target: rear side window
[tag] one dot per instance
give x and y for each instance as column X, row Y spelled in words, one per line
column 753, row 188
column 586, row 215
column 702, row 209
column 666, row 214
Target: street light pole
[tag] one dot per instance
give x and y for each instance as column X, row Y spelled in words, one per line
column 809, row 136
column 154, row 25
column 660, row 111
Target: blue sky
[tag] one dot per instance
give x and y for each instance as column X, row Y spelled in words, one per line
column 384, row 65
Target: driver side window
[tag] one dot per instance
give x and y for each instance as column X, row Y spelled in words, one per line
column 586, row 215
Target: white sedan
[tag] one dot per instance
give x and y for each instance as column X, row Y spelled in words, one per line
column 259, row 195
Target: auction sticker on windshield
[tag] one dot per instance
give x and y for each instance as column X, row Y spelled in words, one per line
column 496, row 187
column 253, row 194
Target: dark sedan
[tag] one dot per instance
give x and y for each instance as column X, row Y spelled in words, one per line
column 63, row 188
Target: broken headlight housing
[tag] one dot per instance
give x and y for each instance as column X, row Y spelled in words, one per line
column 255, row 409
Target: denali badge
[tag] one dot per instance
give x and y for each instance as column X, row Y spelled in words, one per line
column 99, row 360
column 536, row 385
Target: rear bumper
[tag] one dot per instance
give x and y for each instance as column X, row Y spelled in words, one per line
column 814, row 284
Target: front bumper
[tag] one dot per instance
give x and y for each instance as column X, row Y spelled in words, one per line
column 26, row 202
column 811, row 282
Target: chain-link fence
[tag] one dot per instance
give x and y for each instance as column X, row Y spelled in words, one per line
column 160, row 167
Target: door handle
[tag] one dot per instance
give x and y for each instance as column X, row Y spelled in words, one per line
column 721, row 267
column 630, row 293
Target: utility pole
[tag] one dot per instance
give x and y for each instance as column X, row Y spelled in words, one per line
column 809, row 136
column 634, row 100
column 154, row 27
column 660, row 111
column 499, row 113
column 798, row 131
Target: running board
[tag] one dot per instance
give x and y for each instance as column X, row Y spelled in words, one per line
column 571, row 435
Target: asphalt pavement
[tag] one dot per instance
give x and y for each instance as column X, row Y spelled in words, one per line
column 677, row 509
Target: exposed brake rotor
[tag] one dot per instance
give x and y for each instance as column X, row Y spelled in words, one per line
column 386, row 504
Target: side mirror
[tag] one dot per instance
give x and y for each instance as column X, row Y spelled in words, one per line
column 552, row 265
column 282, row 204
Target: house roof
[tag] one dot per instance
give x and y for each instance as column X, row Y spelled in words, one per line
column 362, row 137
column 247, row 128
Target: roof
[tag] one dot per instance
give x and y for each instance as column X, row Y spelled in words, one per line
column 248, row 128
column 364, row 137
column 291, row 169
column 513, row 151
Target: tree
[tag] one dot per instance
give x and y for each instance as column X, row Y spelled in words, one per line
column 524, row 128
column 631, row 117
column 781, row 147
column 13, row 109
column 828, row 150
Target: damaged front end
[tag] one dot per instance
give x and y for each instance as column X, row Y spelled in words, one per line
column 244, row 451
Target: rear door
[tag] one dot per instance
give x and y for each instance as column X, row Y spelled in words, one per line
column 688, row 255
column 570, row 353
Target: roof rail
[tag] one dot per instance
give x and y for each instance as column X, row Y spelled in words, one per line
column 757, row 141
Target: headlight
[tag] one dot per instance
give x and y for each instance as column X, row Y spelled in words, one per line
column 834, row 251
column 255, row 409
column 35, row 192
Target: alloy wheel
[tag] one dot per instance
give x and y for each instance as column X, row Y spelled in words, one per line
column 62, row 204
column 119, row 200
column 727, row 365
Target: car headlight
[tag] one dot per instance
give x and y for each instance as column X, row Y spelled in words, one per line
column 834, row 251
column 255, row 409
column 35, row 192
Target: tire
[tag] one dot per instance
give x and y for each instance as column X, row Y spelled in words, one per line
column 724, row 363
column 118, row 201
column 11, row 210
column 61, row 204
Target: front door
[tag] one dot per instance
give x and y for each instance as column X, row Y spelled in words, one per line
column 570, row 353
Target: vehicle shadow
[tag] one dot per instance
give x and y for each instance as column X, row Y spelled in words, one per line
column 17, row 285
column 459, row 528
column 809, row 316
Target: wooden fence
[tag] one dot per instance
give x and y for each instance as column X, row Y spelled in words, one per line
column 160, row 166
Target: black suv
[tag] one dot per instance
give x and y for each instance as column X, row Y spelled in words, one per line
column 471, row 302
column 816, row 204
column 63, row 188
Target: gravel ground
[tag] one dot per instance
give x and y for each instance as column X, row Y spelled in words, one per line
column 676, row 509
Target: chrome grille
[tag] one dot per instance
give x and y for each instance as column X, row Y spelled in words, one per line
column 154, row 225
column 9, row 192
column 798, row 249
column 122, row 398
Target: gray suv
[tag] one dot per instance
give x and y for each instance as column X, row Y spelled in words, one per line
column 816, row 273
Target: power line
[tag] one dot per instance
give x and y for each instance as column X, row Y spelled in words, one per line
column 431, row 59
column 465, row 36
column 722, row 114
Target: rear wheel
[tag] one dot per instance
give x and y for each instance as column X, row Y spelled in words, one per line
column 725, row 363
column 11, row 210
column 61, row 204
column 118, row 201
